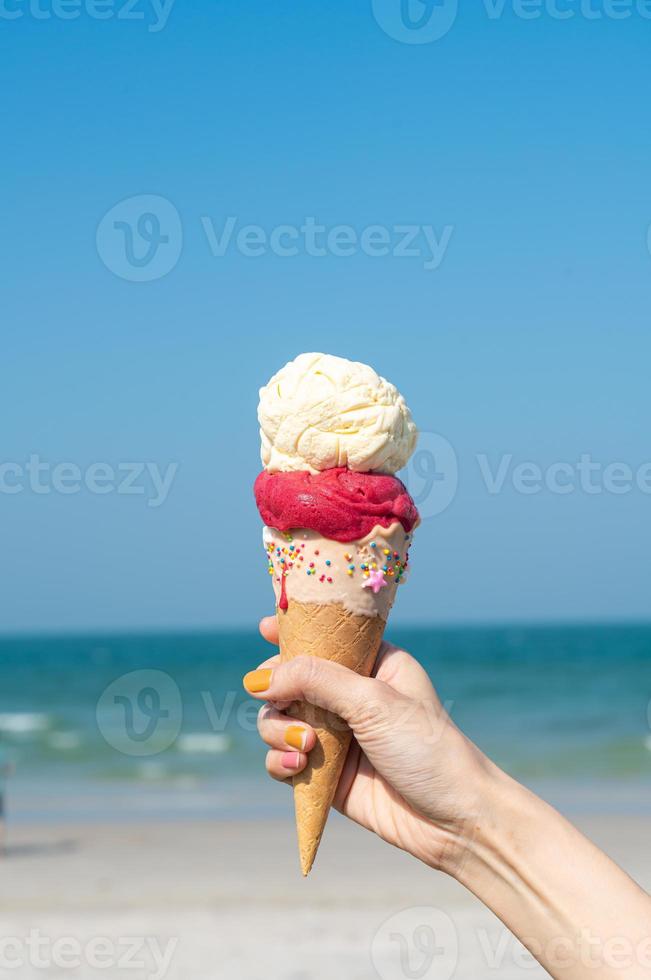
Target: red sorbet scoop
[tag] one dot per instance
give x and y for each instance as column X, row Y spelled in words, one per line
column 337, row 503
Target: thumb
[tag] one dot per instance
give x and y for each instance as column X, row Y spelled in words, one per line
column 322, row 683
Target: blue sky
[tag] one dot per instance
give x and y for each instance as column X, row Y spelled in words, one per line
column 522, row 145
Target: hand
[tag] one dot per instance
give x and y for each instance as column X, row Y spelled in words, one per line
column 411, row 776
column 415, row 780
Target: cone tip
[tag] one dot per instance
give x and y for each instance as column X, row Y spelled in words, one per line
column 306, row 865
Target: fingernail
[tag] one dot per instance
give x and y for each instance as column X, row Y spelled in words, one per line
column 257, row 681
column 296, row 736
column 291, row 760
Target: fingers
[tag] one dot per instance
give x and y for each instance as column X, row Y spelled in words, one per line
column 282, row 733
column 283, row 765
column 269, row 629
column 394, row 666
column 404, row 674
column 323, row 683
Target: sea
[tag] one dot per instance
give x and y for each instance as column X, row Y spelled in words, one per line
column 157, row 727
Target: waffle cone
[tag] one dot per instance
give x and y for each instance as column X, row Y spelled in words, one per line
column 325, row 630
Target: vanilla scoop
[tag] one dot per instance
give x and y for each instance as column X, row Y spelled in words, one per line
column 322, row 411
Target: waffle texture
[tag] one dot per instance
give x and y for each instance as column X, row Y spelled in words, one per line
column 328, row 631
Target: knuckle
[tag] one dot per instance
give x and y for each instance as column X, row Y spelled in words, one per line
column 305, row 670
column 374, row 709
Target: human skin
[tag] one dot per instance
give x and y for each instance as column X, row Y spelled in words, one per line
column 414, row 779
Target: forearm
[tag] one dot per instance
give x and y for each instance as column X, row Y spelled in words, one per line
column 581, row 916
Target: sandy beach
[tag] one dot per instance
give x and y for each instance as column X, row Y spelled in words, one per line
column 225, row 900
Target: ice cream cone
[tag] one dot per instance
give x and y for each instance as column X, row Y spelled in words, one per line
column 338, row 526
column 331, row 632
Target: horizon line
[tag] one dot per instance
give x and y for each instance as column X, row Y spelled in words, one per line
column 82, row 632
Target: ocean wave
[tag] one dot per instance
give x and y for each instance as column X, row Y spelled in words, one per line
column 23, row 723
column 64, row 741
column 214, row 743
column 152, row 769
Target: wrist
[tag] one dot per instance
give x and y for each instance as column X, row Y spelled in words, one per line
column 481, row 833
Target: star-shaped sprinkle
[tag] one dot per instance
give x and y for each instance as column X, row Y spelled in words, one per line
column 375, row 581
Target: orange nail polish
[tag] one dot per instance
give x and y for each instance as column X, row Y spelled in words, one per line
column 295, row 736
column 257, row 681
